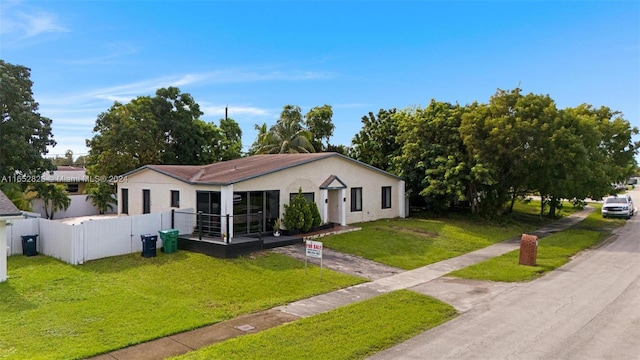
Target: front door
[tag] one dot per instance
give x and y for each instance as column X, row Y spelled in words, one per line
column 334, row 205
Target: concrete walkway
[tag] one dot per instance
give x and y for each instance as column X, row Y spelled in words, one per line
column 462, row 294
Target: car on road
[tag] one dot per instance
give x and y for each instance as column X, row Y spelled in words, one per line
column 618, row 206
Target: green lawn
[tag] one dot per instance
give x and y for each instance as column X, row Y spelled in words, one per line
column 51, row 310
column 553, row 252
column 415, row 242
column 351, row 332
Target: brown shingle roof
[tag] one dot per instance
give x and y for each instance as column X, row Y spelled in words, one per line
column 233, row 171
column 6, row 206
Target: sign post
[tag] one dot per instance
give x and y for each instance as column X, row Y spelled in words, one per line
column 314, row 250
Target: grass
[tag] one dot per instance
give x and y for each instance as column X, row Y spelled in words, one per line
column 51, row 310
column 412, row 243
column 351, row 332
column 553, row 252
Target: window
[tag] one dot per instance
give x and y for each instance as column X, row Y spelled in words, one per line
column 356, row 199
column 72, row 188
column 386, row 197
column 125, row 201
column 175, row 198
column 146, row 201
column 309, row 196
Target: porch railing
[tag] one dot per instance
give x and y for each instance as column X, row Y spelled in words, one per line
column 211, row 225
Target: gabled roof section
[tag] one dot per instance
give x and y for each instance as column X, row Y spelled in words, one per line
column 7, row 209
column 333, row 182
column 66, row 174
column 234, row 171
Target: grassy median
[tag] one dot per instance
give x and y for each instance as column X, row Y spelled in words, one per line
column 415, row 242
column 553, row 252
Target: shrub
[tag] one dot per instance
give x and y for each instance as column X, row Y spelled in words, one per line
column 300, row 214
column 294, row 213
column 317, row 219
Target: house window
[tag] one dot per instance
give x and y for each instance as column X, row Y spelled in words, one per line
column 125, row 201
column 386, row 197
column 309, row 196
column 146, row 201
column 175, row 198
column 72, row 188
column 356, row 199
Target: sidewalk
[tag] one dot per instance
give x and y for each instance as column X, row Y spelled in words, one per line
column 420, row 279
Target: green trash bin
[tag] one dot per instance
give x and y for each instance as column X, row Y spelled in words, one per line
column 169, row 240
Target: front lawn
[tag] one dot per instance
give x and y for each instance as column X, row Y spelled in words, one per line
column 51, row 310
column 553, row 252
column 415, row 242
column 351, row 332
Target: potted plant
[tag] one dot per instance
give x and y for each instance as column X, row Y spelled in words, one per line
column 276, row 227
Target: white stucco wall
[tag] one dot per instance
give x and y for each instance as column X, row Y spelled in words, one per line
column 160, row 187
column 309, row 177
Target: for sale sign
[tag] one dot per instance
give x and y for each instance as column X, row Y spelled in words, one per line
column 314, row 249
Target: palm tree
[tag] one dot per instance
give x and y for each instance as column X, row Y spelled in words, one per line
column 55, row 198
column 287, row 136
column 101, row 196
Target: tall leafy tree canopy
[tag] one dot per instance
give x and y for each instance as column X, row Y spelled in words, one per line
column 489, row 154
column 433, row 159
column 165, row 129
column 376, row 143
column 24, row 133
column 318, row 121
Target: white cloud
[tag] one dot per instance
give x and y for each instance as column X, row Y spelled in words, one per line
column 27, row 22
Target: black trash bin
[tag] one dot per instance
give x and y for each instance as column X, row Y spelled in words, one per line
column 29, row 243
column 149, row 245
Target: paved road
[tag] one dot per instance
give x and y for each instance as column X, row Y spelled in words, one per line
column 588, row 309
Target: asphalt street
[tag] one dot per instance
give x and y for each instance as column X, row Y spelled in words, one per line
column 587, row 309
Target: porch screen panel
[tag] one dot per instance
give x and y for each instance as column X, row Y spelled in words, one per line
column 240, row 211
column 272, row 208
column 256, row 209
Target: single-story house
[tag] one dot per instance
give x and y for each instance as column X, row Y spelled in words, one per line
column 74, row 178
column 253, row 190
column 8, row 212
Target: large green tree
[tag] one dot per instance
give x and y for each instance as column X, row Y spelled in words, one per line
column 433, row 159
column 127, row 136
column 318, row 121
column 175, row 113
column 500, row 136
column 231, row 140
column 24, row 133
column 376, row 143
column 165, row 129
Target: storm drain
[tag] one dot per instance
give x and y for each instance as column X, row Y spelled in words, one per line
column 245, row 327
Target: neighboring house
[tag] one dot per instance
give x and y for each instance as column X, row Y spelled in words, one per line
column 8, row 212
column 74, row 178
column 257, row 187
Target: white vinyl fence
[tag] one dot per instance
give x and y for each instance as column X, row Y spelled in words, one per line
column 89, row 240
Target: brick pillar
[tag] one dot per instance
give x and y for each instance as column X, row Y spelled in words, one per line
column 528, row 250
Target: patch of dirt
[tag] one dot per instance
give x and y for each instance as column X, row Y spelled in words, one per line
column 421, row 232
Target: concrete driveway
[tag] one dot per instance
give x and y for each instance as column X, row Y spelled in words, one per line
column 588, row 309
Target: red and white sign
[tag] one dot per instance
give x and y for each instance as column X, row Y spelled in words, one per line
column 314, row 249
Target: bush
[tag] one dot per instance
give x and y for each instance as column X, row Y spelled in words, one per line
column 317, row 219
column 300, row 214
column 294, row 213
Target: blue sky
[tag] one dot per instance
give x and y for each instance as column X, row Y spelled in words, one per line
column 357, row 56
